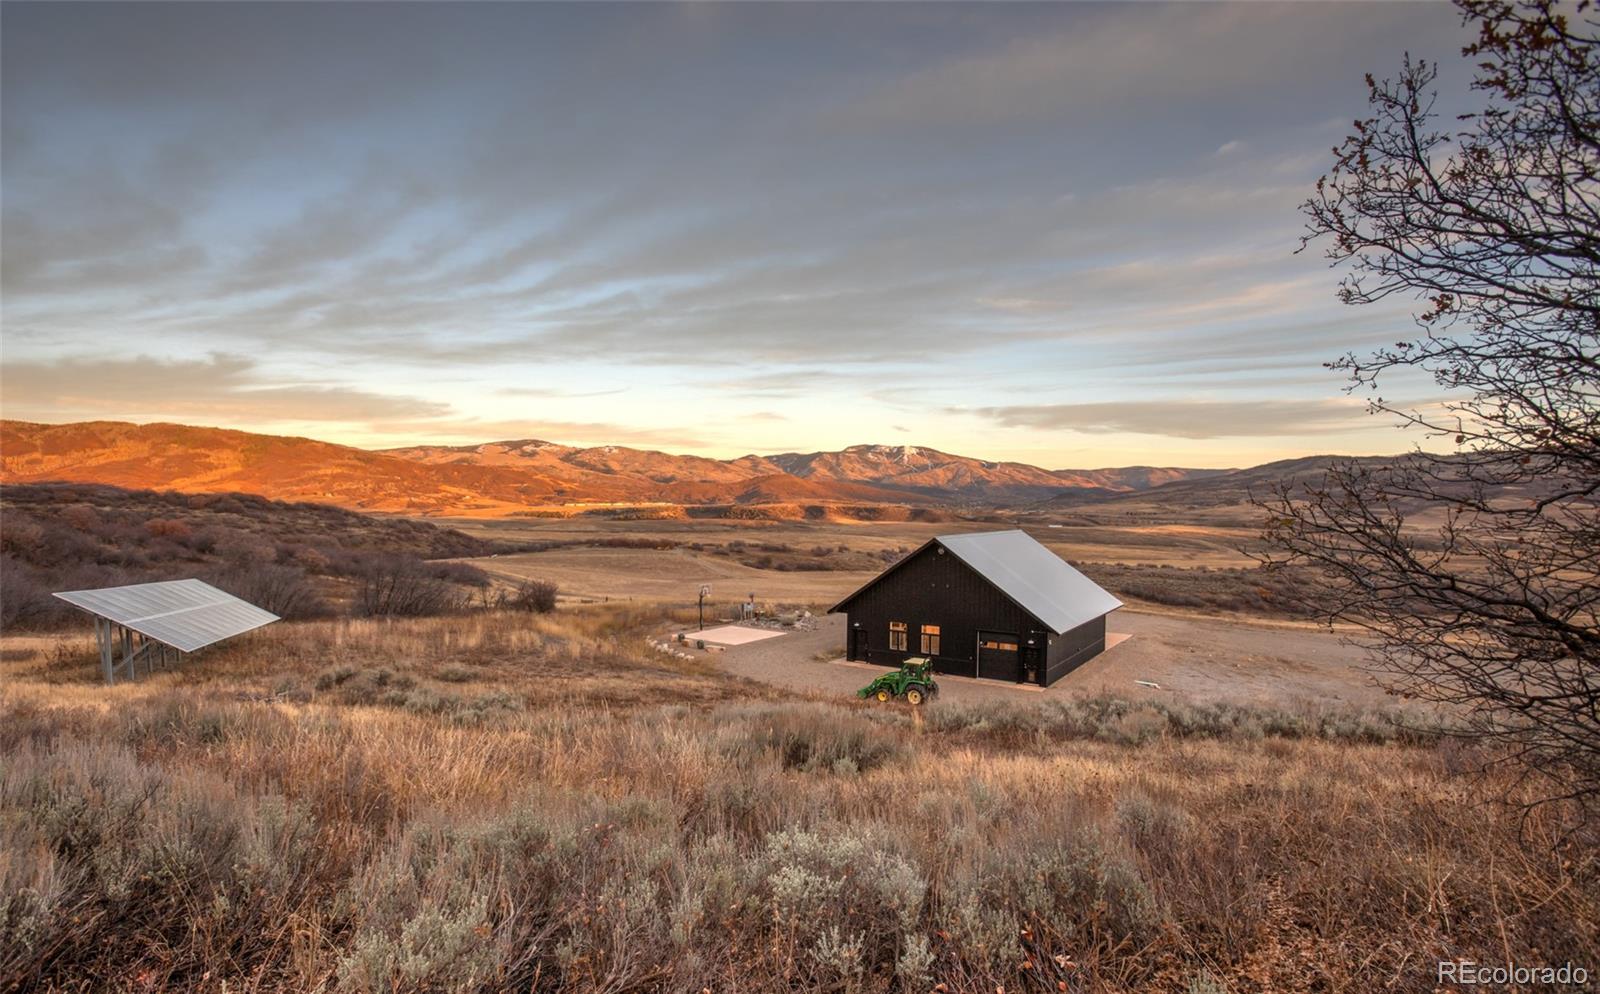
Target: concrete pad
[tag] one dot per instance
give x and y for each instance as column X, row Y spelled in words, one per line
column 733, row 635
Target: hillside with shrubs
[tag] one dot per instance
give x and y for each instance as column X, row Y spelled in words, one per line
column 461, row 804
column 297, row 560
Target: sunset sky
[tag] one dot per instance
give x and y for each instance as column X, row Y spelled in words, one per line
column 1062, row 234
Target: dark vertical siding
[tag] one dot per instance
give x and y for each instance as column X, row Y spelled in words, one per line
column 1074, row 648
column 935, row 589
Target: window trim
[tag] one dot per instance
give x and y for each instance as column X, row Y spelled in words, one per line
column 898, row 639
column 930, row 640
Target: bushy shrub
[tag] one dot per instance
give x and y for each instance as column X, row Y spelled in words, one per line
column 436, row 949
column 102, row 846
column 379, row 685
column 1150, row 825
column 1133, row 723
column 168, row 528
column 840, row 900
column 813, row 740
column 538, row 596
column 286, row 591
column 403, row 586
column 25, row 600
column 1084, row 889
column 1135, row 727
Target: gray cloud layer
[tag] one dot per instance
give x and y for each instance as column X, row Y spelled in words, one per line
column 1186, row 419
column 960, row 197
column 221, row 386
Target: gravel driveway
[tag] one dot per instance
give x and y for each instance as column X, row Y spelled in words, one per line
column 1191, row 658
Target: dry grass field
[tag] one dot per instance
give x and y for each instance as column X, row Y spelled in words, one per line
column 502, row 801
column 1196, row 560
column 669, row 576
column 1189, row 538
column 505, row 802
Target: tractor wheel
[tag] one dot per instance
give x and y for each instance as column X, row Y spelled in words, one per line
column 883, row 695
column 914, row 696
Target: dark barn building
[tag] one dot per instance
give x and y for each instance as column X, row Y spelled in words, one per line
column 990, row 604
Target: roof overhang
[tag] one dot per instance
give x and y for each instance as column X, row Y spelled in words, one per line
column 1036, row 580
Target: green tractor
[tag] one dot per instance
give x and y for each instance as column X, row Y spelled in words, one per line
column 913, row 681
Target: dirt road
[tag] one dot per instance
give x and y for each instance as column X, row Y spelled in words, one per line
column 1206, row 660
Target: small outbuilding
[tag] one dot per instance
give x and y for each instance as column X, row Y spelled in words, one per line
column 996, row 605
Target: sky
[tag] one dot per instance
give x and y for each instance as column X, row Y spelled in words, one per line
column 1058, row 233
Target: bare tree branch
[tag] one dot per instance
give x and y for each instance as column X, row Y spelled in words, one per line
column 1476, row 574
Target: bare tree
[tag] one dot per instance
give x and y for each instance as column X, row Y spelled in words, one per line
column 284, row 590
column 405, row 586
column 537, row 596
column 1476, row 572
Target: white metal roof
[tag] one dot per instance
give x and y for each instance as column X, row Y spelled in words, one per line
column 185, row 614
column 1037, row 579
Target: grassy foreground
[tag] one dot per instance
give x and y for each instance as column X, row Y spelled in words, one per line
column 498, row 803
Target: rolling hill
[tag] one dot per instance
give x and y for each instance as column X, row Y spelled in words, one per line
column 505, row 476
column 927, row 471
column 214, row 460
column 912, row 472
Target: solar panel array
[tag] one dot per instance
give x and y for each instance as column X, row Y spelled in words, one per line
column 185, row 614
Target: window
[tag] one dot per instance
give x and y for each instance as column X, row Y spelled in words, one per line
column 930, row 640
column 897, row 636
column 1000, row 646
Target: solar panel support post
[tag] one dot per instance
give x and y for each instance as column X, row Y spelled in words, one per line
column 102, row 635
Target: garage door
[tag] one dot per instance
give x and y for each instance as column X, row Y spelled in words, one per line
column 997, row 656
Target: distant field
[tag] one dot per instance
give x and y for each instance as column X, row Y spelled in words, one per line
column 1156, row 562
column 672, row 576
column 1081, row 539
column 863, row 535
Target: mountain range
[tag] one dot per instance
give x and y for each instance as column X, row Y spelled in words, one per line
column 501, row 477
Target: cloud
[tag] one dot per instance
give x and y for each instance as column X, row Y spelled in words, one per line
column 231, row 390
column 907, row 206
column 1185, row 419
column 563, row 432
column 220, row 388
column 1123, row 62
column 93, row 225
column 554, row 393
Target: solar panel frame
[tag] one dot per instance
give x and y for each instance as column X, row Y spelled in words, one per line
column 185, row 614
